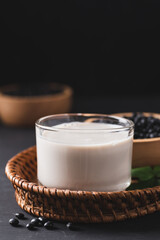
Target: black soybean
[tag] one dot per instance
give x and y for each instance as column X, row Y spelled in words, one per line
column 42, row 220
column 49, row 225
column 36, row 222
column 70, row 226
column 30, row 226
column 19, row 215
column 14, row 222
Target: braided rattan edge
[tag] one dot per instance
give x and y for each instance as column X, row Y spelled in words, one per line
column 108, row 207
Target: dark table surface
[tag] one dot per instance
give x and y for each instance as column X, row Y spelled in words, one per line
column 14, row 140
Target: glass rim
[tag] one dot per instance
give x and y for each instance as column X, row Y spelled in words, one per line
column 128, row 124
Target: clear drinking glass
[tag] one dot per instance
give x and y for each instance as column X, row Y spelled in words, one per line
column 91, row 152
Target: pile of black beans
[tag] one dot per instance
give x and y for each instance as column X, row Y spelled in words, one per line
column 32, row 90
column 36, row 222
column 145, row 127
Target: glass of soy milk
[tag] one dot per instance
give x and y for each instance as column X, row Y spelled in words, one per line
column 88, row 152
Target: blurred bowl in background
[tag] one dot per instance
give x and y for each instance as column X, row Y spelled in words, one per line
column 146, row 152
column 22, row 105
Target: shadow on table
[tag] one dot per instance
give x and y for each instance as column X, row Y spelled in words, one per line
column 147, row 224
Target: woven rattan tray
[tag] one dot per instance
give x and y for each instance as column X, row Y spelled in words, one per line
column 75, row 206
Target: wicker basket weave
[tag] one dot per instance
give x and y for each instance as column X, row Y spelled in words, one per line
column 75, row 206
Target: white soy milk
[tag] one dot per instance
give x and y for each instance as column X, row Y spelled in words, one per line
column 83, row 156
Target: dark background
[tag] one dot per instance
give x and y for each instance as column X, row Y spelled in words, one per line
column 98, row 47
column 109, row 52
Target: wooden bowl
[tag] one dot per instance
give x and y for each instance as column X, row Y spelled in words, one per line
column 18, row 110
column 146, row 152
